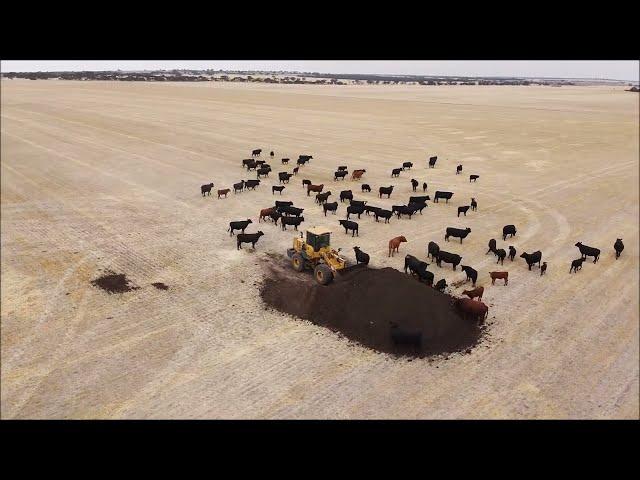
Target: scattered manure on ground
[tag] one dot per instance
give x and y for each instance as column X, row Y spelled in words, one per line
column 113, row 282
column 362, row 303
column 160, row 286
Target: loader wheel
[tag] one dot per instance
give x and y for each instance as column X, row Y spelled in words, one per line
column 323, row 274
column 297, row 262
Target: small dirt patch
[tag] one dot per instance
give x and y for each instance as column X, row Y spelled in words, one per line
column 362, row 304
column 160, row 286
column 113, row 282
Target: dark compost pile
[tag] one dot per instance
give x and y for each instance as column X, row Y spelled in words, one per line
column 361, row 304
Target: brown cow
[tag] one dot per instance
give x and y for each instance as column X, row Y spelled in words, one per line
column 223, row 192
column 476, row 292
column 357, row 174
column 394, row 244
column 266, row 212
column 314, row 188
column 468, row 307
column 503, row 275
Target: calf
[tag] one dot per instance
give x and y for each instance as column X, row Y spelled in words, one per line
column 476, row 292
column 458, row 169
column 251, row 238
column 576, row 265
column 251, row 184
column 266, row 212
column 281, row 203
column 446, row 195
column 432, row 162
column 474, row 204
column 441, row 285
column 385, row 191
column 357, row 174
column 348, row 225
column 473, row 177
column 394, row 244
column 322, row 197
column 448, row 257
column 224, row 192
column 271, row 154
column 346, row 195
column 256, row 152
column 492, row 246
column 396, row 172
column 355, row 210
column 240, row 225
column 500, row 253
column 471, row 274
column 285, row 161
column 206, row 189
column 382, row 213
column 432, row 250
column 407, row 165
column 414, row 184
column 361, row 257
column 314, row 188
column 342, row 168
column 543, row 268
column 457, row 233
column 295, row 170
column 402, row 336
column 295, row 221
column 471, row 308
column 463, row 210
column 512, row 252
column 424, row 187
column 277, row 189
column 366, row 188
column 532, row 258
column 238, row 187
column 588, row 252
column 496, row 275
column 508, row 230
column 330, row 207
column 340, row 174
column 306, row 183
column 618, row 247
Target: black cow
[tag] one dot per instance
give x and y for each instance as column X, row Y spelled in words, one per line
column 441, row 285
column 260, row 162
column 473, row 177
column 395, row 208
column 285, row 161
column 407, row 210
column 240, row 225
column 457, row 232
column 512, row 252
column 305, row 183
column 322, row 197
column 382, row 213
column 284, row 177
column 402, row 336
column 295, row 170
column 353, row 226
column 508, row 230
column 206, row 189
column 252, row 166
column 417, row 267
column 588, row 252
column 291, row 211
column 472, row 274
column 458, row 169
column 474, row 204
column 361, row 257
column 532, row 258
column 263, row 172
column 247, row 161
column 342, row 168
column 238, row 187
column 492, row 246
column 618, row 247
column 396, row 172
column 421, row 199
column 346, row 195
column 282, row 203
column 414, row 184
column 271, row 154
column 432, row 250
column 355, row 210
column 424, row 187
column 358, row 203
column 366, row 188
column 445, row 195
column 251, row 184
column 417, row 206
column 275, row 216
column 448, row 257
column 432, row 162
column 305, row 158
column 330, row 207
column 463, row 210
column 251, row 238
column 256, row 152
column 576, row 265
column 265, row 165
column 370, row 208
column 385, row 191
column 277, row 189
column 407, row 165
column 500, row 253
column 301, row 161
column 295, row 221
column 340, row 174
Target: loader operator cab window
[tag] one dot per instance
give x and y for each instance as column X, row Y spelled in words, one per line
column 318, row 241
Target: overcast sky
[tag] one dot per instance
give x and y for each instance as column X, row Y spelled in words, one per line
column 614, row 69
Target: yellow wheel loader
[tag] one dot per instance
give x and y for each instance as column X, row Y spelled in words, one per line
column 315, row 252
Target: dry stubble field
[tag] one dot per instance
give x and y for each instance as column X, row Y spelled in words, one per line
column 107, row 176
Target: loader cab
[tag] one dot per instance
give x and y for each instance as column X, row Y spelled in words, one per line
column 318, row 238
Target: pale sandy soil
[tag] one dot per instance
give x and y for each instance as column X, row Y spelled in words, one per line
column 107, row 175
